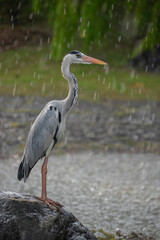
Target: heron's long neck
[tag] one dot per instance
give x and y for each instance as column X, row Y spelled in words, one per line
column 70, row 100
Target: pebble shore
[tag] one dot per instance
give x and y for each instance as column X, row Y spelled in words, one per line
column 111, row 126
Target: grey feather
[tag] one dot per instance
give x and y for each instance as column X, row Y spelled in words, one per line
column 41, row 135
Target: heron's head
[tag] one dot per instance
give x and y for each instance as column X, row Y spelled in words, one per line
column 77, row 57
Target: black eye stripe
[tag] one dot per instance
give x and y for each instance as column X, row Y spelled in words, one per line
column 74, row 52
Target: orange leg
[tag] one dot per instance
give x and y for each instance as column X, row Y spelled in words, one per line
column 44, row 174
column 43, row 197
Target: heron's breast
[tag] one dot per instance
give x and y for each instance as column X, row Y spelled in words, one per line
column 62, row 127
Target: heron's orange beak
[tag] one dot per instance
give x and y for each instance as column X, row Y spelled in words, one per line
column 93, row 60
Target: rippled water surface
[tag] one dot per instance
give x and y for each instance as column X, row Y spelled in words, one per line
column 103, row 191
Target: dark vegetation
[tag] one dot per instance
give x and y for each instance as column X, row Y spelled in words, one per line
column 89, row 23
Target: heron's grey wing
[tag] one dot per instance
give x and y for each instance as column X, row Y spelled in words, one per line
column 41, row 135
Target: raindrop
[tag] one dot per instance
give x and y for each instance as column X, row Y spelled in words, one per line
column 20, row 138
column 41, row 41
column 99, row 193
column 99, row 77
column 127, row 25
column 14, row 90
column 90, row 47
column 51, row 80
column 31, row 15
column 95, row 96
column 123, row 88
column 39, row 76
column 68, row 45
column 119, row 38
column 49, row 56
column 43, row 87
column 132, row 74
column 109, row 85
column 0, row 65
column 82, row 74
column 143, row 116
column 92, row 189
column 148, row 146
column 12, row 18
column 146, row 68
column 19, row 6
column 48, row 40
column 153, row 116
column 34, row 75
column 140, row 90
column 88, row 23
column 80, row 19
column 22, row 64
column 6, row 72
column 106, row 68
column 104, row 80
column 84, row 32
column 110, row 25
column 114, row 85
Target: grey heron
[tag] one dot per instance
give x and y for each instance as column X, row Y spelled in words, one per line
column 49, row 126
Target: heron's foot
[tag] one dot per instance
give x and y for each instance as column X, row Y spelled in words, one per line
column 50, row 203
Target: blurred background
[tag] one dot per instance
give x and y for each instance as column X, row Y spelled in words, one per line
column 115, row 125
column 34, row 37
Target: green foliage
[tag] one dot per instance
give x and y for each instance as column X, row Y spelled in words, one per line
column 89, row 23
column 64, row 27
column 147, row 21
column 45, row 8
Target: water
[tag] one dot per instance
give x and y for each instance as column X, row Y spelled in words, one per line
column 103, row 191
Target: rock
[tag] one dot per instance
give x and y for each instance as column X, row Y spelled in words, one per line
column 148, row 60
column 22, row 217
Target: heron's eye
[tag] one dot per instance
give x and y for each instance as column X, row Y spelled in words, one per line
column 78, row 55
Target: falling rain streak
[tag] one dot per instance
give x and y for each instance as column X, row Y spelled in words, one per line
column 14, row 89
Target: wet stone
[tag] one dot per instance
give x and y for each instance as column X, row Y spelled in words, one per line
column 22, row 217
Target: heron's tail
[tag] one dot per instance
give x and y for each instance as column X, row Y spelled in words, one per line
column 20, row 174
column 23, row 170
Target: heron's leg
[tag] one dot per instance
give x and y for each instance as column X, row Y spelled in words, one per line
column 44, row 198
column 44, row 174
